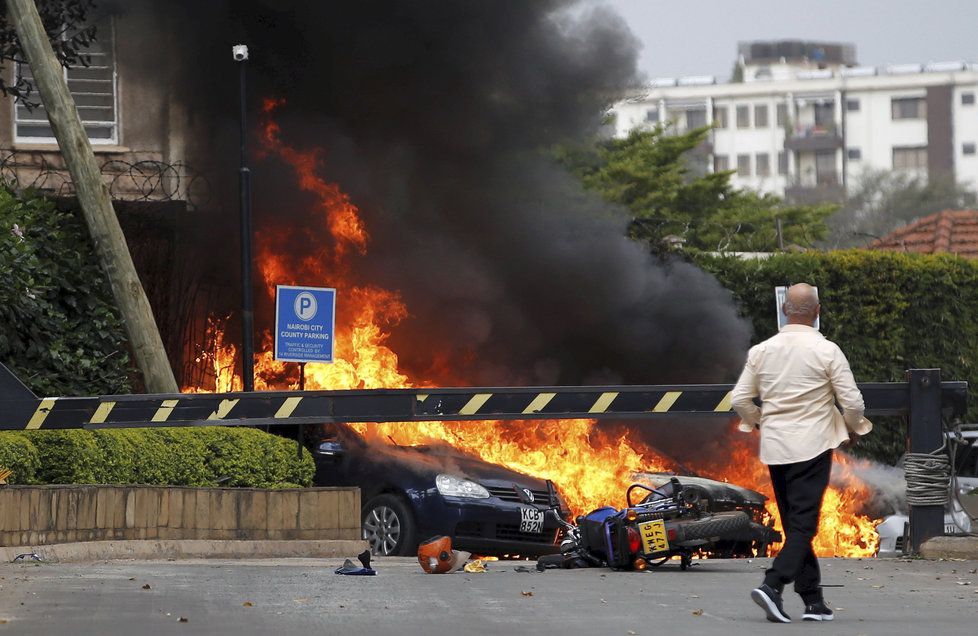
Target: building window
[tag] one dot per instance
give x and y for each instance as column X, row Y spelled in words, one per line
column 721, row 163
column 854, row 154
column 743, row 165
column 762, row 163
column 743, row 117
column 695, row 118
column 720, row 116
column 909, row 108
column 852, row 105
column 968, row 148
column 94, row 89
column 782, row 163
column 825, row 114
column 825, row 169
column 652, row 115
column 781, row 115
column 967, row 99
column 910, row 158
column 760, row 116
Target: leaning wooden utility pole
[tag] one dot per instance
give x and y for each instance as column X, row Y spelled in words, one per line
column 93, row 196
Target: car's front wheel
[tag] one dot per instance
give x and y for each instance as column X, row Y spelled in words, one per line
column 388, row 526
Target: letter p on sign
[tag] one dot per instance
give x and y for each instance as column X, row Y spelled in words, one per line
column 305, row 306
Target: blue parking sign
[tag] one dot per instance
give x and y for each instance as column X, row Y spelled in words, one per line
column 305, row 318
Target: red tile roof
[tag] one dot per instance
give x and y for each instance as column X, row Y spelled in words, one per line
column 953, row 231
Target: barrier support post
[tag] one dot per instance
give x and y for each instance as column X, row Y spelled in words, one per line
column 926, row 436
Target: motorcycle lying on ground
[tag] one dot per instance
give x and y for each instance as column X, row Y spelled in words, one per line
column 669, row 521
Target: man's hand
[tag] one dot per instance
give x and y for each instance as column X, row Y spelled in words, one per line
column 745, row 427
column 852, row 442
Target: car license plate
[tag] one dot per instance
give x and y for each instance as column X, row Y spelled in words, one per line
column 531, row 520
column 653, row 535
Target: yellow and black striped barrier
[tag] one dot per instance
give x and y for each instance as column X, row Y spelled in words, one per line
column 20, row 409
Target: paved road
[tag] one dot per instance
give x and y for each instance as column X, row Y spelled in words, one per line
column 303, row 596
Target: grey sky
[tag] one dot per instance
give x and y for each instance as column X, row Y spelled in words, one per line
column 700, row 37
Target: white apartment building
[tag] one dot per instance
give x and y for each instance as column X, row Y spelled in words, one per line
column 805, row 120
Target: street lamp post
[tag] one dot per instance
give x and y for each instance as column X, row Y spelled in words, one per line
column 240, row 53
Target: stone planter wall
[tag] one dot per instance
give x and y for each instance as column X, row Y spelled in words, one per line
column 38, row 515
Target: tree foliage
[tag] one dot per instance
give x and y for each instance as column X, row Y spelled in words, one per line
column 882, row 201
column 59, row 329
column 655, row 175
column 67, row 27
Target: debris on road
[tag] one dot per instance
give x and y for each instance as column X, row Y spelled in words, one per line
column 349, row 568
column 27, row 556
column 437, row 557
column 475, row 567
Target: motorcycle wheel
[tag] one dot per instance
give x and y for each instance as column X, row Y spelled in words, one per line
column 717, row 525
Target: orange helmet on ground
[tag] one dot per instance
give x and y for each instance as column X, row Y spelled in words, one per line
column 437, row 557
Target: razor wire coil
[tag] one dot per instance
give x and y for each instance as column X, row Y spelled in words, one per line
column 928, row 477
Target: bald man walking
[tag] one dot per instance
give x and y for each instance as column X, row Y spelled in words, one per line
column 799, row 376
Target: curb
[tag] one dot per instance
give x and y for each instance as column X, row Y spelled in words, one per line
column 950, row 548
column 187, row 549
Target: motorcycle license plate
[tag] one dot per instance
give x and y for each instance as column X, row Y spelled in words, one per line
column 654, row 537
column 531, row 520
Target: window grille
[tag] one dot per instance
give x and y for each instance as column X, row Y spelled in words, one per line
column 94, row 89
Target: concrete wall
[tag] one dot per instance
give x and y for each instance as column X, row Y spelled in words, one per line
column 37, row 515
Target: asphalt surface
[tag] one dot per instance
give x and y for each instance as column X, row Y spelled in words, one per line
column 304, row 596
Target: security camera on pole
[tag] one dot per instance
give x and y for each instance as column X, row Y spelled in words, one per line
column 240, row 54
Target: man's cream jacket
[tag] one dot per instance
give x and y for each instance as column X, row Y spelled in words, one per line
column 799, row 375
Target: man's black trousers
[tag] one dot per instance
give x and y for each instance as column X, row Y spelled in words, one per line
column 798, row 489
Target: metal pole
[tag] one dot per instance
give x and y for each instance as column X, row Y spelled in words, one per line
column 247, row 308
column 926, row 436
column 779, row 233
column 301, row 427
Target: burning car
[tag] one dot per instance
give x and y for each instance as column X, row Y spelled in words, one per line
column 410, row 493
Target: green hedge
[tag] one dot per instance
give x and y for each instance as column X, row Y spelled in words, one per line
column 19, row 455
column 888, row 312
column 60, row 332
column 208, row 456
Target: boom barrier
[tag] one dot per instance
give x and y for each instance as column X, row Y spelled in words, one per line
column 923, row 398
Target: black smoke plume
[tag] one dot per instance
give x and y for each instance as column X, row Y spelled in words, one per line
column 437, row 117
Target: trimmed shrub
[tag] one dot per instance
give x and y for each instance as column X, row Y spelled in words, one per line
column 119, row 450
column 209, row 456
column 156, row 461
column 252, row 458
column 67, row 457
column 888, row 312
column 19, row 455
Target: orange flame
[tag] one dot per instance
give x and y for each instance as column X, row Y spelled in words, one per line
column 842, row 531
column 592, row 466
column 344, row 221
